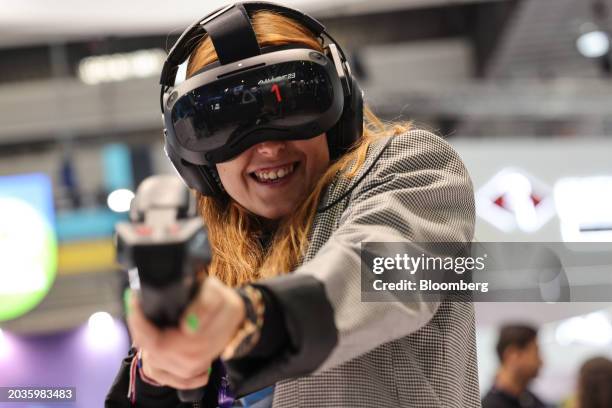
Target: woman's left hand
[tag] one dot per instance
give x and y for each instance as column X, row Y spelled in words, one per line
column 178, row 357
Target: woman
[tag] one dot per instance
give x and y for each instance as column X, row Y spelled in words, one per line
column 287, row 232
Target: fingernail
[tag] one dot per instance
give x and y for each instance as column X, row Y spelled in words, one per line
column 127, row 295
column 192, row 322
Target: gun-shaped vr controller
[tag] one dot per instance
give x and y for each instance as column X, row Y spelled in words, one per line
column 164, row 248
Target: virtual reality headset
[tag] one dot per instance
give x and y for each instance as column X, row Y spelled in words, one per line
column 254, row 94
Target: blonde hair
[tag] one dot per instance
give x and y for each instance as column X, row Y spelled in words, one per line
column 239, row 257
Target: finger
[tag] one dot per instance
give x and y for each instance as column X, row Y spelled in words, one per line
column 228, row 316
column 143, row 332
column 176, row 342
column 191, row 355
column 180, row 354
column 220, row 326
column 151, row 364
column 220, row 332
column 203, row 308
column 167, row 378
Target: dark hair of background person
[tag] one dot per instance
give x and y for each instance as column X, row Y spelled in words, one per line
column 595, row 383
column 517, row 335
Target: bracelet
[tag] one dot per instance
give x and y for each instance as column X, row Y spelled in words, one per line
column 249, row 332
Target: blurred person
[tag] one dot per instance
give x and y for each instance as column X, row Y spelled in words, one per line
column 520, row 362
column 281, row 302
column 595, row 384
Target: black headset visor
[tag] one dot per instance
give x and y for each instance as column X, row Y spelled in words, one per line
column 284, row 95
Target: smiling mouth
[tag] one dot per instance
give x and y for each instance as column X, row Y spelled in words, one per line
column 276, row 175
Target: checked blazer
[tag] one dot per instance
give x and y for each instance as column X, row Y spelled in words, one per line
column 412, row 187
column 346, row 353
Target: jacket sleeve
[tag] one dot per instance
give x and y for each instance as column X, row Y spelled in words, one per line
column 417, row 191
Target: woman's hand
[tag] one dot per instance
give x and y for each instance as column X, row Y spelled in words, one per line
column 181, row 357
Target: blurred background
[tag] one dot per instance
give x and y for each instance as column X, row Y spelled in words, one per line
column 521, row 88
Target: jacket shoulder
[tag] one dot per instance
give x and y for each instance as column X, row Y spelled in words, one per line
column 413, row 150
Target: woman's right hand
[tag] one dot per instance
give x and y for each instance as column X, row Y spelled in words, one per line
column 165, row 353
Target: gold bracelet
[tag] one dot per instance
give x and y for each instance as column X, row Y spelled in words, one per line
column 249, row 332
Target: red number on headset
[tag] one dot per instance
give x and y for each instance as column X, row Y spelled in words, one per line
column 277, row 92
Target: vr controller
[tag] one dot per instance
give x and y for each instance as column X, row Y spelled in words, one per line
column 164, row 248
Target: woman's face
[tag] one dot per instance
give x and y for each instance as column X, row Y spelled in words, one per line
column 271, row 178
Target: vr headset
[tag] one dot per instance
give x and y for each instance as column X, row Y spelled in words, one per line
column 253, row 94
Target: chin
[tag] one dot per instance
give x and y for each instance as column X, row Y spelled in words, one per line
column 275, row 213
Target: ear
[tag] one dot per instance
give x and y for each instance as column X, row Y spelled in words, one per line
column 511, row 354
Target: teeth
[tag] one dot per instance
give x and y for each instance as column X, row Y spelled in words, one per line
column 274, row 174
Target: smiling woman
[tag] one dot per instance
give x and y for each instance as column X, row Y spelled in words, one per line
column 272, row 178
column 239, row 223
column 292, row 173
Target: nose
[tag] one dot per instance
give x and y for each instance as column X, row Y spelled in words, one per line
column 271, row 148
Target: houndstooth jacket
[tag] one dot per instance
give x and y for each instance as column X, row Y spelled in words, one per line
column 346, row 353
column 412, row 187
